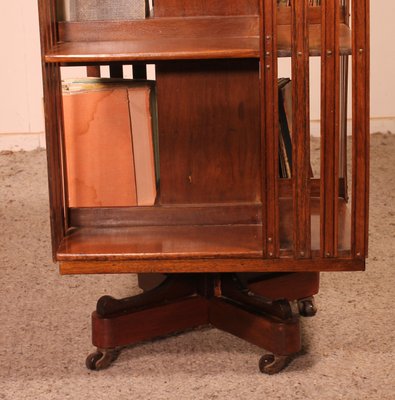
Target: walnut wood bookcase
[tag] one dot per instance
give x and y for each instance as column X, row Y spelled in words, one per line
column 240, row 247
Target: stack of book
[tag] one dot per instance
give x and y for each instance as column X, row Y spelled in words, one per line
column 111, row 141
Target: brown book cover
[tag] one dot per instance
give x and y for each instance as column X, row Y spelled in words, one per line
column 111, row 142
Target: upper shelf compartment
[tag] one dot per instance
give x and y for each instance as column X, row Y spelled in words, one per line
column 176, row 38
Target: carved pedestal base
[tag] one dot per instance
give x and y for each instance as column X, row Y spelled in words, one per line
column 229, row 302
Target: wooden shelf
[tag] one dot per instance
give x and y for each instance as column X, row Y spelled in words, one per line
column 98, row 242
column 161, row 242
column 153, row 50
column 174, row 38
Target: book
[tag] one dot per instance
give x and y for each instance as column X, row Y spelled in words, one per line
column 285, row 128
column 101, row 10
column 285, row 124
column 109, row 134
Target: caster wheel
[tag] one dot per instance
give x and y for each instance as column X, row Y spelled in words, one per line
column 272, row 364
column 307, row 307
column 100, row 359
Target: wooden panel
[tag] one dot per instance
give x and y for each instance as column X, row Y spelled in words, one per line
column 163, row 28
column 285, row 264
column 360, row 167
column 167, row 215
column 330, row 128
column 301, row 131
column 209, row 131
column 203, row 7
column 269, row 127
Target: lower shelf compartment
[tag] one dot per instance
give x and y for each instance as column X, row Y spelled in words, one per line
column 162, row 242
column 193, row 240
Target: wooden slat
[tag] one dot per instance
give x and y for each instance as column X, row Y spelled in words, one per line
column 269, row 127
column 344, row 77
column 301, row 131
column 168, row 215
column 343, row 126
column 93, row 71
column 330, row 123
column 360, row 168
column 53, row 125
column 213, row 265
column 184, row 8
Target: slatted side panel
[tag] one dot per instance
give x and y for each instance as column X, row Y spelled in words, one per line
column 360, row 106
column 344, row 71
column 330, row 117
column 269, row 126
column 301, row 131
column 53, row 124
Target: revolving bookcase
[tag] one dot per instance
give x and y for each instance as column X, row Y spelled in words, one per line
column 237, row 245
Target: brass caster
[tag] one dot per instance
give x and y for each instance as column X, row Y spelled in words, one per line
column 100, row 359
column 272, row 364
column 307, row 307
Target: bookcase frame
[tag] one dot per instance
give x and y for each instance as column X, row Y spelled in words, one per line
column 257, row 224
column 263, row 36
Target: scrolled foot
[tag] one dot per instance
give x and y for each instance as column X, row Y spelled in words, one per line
column 100, row 359
column 272, row 364
column 307, row 307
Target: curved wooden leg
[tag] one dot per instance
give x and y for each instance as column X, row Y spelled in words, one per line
column 234, row 289
column 307, row 307
column 101, row 359
column 173, row 287
column 272, row 364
